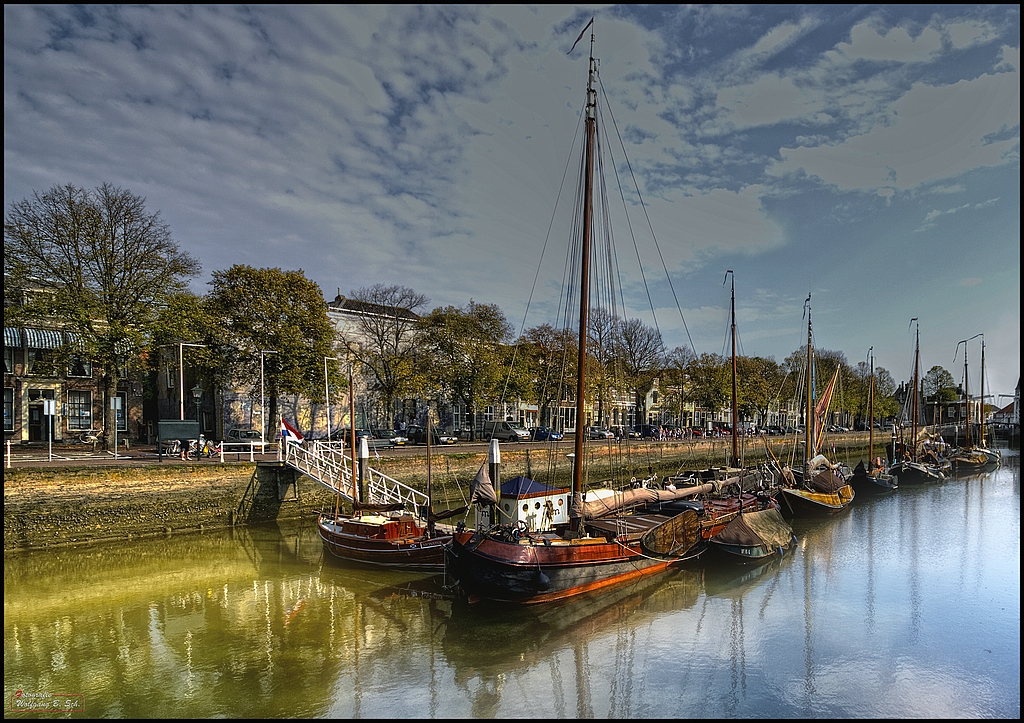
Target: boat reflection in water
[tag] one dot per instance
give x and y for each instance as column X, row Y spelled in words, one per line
column 546, row 635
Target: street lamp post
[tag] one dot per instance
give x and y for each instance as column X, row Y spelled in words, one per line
column 197, row 397
column 263, row 412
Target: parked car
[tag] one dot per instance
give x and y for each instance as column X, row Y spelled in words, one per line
column 696, row 431
column 397, row 439
column 774, row 430
column 600, row 433
column 415, row 434
column 648, row 431
column 244, row 435
column 545, row 434
column 505, row 431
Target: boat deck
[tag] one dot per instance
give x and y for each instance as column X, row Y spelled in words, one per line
column 630, row 527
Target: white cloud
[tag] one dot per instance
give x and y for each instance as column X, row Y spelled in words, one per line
column 937, row 134
column 896, row 45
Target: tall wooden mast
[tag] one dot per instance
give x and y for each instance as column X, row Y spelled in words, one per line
column 735, row 415
column 917, row 384
column 809, row 433
column 581, row 358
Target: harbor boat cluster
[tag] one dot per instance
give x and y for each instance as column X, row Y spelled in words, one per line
column 531, row 542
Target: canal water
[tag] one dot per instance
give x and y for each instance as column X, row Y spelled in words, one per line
column 903, row 606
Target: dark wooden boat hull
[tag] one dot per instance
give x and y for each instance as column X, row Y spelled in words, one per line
column 748, row 554
column 874, row 484
column 413, row 553
column 544, row 568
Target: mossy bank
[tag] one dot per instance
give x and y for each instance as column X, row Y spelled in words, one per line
column 45, row 507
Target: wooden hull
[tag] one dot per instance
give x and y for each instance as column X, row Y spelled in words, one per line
column 801, row 502
column 874, row 484
column 748, row 554
column 420, row 553
column 544, row 567
column 975, row 460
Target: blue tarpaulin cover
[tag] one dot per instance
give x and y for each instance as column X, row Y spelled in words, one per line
column 523, row 486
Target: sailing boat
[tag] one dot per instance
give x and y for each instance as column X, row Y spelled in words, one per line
column 973, row 458
column 908, row 466
column 872, row 479
column 386, row 535
column 819, row 486
column 601, row 544
column 738, row 491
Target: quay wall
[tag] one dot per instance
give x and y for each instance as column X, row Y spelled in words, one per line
column 55, row 506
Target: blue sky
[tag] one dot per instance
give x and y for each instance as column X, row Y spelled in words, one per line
column 867, row 155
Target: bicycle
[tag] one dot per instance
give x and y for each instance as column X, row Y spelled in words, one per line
column 90, row 436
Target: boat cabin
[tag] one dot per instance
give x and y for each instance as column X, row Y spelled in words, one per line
column 538, row 506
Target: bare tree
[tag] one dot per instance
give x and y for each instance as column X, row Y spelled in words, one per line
column 640, row 352
column 107, row 264
column 383, row 339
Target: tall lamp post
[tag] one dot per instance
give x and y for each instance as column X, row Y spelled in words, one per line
column 263, row 412
column 197, row 397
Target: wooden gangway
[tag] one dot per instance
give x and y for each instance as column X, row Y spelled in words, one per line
column 333, row 469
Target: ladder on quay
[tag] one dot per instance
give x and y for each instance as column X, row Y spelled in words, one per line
column 333, row 469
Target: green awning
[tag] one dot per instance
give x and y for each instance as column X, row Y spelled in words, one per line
column 43, row 339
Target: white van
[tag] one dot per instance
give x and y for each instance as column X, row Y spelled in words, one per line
column 505, row 431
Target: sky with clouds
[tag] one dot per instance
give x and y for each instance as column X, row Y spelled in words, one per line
column 866, row 155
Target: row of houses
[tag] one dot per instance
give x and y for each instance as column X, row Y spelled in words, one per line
column 60, row 396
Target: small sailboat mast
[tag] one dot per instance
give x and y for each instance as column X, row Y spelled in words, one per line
column 967, row 395
column 576, row 507
column 917, row 384
column 735, row 415
column 809, row 434
column 871, row 409
column 982, row 421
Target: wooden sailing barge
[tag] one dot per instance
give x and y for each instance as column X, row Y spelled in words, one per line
column 600, row 546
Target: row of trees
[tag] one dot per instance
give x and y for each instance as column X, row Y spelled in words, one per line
column 117, row 278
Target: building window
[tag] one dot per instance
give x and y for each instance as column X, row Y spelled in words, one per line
column 9, row 360
column 80, row 367
column 8, row 409
column 39, row 362
column 79, row 410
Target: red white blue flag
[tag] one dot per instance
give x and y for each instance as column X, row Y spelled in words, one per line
column 290, row 433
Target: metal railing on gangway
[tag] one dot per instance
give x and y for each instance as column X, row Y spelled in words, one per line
column 332, row 468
